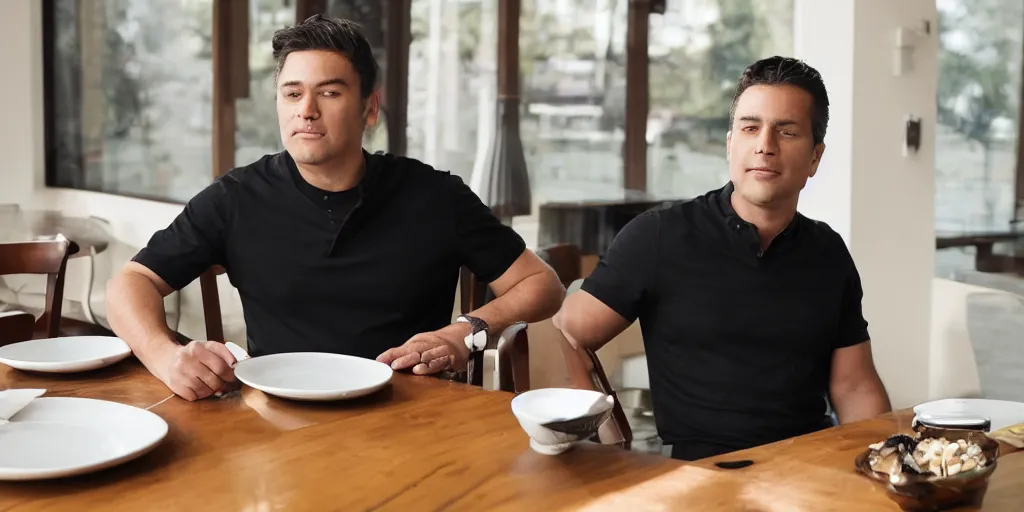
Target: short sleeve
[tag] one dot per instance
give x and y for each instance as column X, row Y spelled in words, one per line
column 853, row 328
column 194, row 241
column 485, row 245
column 623, row 277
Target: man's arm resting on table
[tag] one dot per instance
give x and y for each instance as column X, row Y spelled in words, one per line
column 136, row 313
column 528, row 291
column 856, row 391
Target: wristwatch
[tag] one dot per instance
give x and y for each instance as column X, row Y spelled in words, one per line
column 476, row 340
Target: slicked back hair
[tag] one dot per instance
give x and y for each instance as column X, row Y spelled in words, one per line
column 788, row 71
column 319, row 32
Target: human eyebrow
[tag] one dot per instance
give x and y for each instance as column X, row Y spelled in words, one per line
column 322, row 83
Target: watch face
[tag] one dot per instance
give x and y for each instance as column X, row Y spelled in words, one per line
column 477, row 341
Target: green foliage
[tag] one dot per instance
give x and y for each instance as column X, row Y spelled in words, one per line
column 699, row 82
column 979, row 65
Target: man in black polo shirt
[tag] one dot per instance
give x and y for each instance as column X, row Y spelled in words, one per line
column 332, row 249
column 750, row 312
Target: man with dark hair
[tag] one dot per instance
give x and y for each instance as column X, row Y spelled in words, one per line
column 750, row 312
column 332, row 249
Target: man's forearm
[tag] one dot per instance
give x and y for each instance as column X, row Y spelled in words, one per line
column 136, row 314
column 865, row 401
column 533, row 299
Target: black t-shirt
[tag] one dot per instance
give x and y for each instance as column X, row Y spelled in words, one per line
column 335, row 204
column 738, row 343
column 356, row 273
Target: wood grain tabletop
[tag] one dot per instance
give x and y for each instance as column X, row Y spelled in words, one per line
column 427, row 444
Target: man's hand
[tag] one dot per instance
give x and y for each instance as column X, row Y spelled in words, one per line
column 196, row 370
column 431, row 352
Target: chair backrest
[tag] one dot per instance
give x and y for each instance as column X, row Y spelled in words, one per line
column 211, row 304
column 514, row 359
column 473, row 293
column 514, row 376
column 16, row 326
column 48, row 257
column 618, row 430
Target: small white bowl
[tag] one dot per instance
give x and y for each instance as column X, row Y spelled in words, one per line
column 538, row 408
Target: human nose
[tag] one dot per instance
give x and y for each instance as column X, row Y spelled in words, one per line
column 768, row 142
column 308, row 108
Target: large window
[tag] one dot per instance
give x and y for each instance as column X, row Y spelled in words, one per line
column 130, row 87
column 452, row 69
column 257, row 133
column 979, row 91
column 698, row 49
column 572, row 58
column 130, row 96
column 371, row 15
column 978, row 129
column 144, row 97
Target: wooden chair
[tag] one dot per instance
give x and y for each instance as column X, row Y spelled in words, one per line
column 618, row 430
column 48, row 257
column 513, row 345
column 563, row 258
column 16, row 326
column 211, row 304
column 211, row 307
column 513, row 348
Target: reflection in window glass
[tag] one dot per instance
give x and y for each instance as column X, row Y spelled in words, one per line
column 256, row 132
column 698, row 49
column 131, row 97
column 572, row 57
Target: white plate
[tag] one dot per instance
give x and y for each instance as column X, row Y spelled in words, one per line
column 1001, row 413
column 313, row 375
column 55, row 437
column 65, row 355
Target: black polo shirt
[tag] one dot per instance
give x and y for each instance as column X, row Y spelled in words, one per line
column 738, row 343
column 353, row 272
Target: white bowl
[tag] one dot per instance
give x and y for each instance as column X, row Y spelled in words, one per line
column 539, row 407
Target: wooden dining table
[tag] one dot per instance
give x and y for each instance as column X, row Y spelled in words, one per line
column 427, row 444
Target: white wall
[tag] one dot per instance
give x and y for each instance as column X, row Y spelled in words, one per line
column 21, row 101
column 879, row 200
